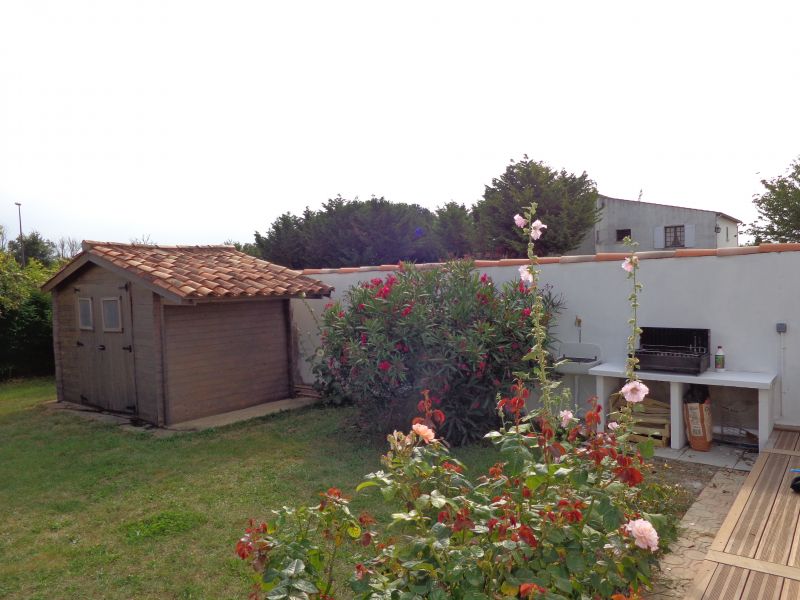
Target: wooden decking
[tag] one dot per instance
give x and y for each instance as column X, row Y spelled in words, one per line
column 756, row 554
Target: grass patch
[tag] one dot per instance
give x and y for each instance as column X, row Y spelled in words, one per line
column 90, row 511
column 168, row 522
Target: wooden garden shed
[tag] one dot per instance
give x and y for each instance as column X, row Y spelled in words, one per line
column 174, row 333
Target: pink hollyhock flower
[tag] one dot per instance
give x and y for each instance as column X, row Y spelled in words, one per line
column 525, row 274
column 425, row 432
column 565, row 416
column 629, row 263
column 644, row 534
column 520, row 221
column 634, row 391
column 613, row 425
column 536, row 229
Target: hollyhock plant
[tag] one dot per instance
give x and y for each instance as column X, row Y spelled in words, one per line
column 525, row 274
column 566, row 417
column 630, row 263
column 634, row 391
column 536, row 229
column 520, row 221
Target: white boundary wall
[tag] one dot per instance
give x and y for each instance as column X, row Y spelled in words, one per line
column 740, row 298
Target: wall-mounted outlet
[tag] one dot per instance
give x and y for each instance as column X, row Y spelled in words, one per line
column 780, row 327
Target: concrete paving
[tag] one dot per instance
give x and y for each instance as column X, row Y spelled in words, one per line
column 720, row 455
column 133, row 425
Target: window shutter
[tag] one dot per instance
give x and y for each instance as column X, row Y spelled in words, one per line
column 688, row 236
column 658, row 237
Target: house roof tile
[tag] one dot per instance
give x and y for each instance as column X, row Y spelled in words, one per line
column 199, row 272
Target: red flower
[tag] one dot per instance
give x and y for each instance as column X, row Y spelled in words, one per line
column 484, row 278
column 362, row 306
column 244, row 547
column 366, row 519
column 526, row 534
column 526, row 312
column 363, row 339
column 448, row 466
column 443, row 517
column 384, row 365
column 361, row 571
column 527, row 590
column 407, row 310
column 437, row 416
column 496, row 471
column 462, row 520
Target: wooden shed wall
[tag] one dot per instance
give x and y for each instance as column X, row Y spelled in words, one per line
column 223, row 357
column 145, row 310
column 67, row 333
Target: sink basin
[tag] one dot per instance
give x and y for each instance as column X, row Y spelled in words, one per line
column 580, row 357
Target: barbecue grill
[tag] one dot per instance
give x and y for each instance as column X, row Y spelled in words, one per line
column 673, row 349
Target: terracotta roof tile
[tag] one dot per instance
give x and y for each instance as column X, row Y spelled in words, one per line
column 207, row 271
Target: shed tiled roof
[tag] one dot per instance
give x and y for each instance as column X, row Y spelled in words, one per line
column 203, row 272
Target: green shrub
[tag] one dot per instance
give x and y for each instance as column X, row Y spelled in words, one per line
column 447, row 330
column 26, row 331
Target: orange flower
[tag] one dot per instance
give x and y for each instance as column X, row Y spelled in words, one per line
column 425, row 432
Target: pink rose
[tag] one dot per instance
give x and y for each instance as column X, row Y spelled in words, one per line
column 520, row 221
column 644, row 534
column 536, row 229
column 525, row 274
column 613, row 425
column 634, row 391
column 425, row 432
column 565, row 416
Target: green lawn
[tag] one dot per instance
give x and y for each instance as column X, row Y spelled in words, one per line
column 89, row 511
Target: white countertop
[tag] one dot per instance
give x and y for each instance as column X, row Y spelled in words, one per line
column 744, row 379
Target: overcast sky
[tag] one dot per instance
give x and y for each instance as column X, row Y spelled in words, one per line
column 197, row 122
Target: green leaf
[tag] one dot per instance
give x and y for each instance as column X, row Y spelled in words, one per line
column 575, row 562
column 354, row 531
column 366, row 484
column 305, row 586
column 647, row 448
column 294, row 569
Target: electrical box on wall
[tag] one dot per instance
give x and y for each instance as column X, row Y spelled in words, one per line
column 780, row 327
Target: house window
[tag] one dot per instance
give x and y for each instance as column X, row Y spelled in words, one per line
column 674, row 236
column 622, row 234
column 112, row 320
column 85, row 321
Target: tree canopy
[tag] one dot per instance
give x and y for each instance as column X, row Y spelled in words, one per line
column 352, row 232
column 567, row 203
column 779, row 208
column 36, row 247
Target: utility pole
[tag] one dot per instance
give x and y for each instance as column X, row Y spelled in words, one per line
column 21, row 239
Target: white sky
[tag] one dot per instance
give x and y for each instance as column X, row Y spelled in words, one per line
column 196, row 122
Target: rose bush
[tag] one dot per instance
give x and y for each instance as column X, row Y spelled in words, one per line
column 448, row 330
column 566, row 512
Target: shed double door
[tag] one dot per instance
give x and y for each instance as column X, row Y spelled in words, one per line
column 105, row 349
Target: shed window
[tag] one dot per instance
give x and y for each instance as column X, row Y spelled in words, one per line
column 622, row 234
column 112, row 320
column 85, row 314
column 674, row 236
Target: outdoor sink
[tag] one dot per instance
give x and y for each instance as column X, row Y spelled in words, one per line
column 580, row 357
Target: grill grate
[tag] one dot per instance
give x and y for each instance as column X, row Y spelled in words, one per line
column 673, row 349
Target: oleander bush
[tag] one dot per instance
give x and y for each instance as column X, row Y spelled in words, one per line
column 563, row 515
column 448, row 330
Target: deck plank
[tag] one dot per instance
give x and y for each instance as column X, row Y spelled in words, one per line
column 761, row 586
column 747, row 534
column 727, row 583
column 786, row 440
column 791, row 590
column 779, row 533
